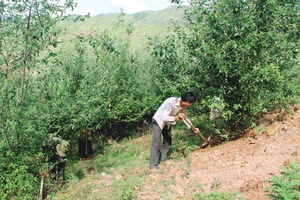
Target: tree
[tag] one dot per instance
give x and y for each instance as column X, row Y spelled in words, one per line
column 239, row 51
column 27, row 28
column 242, row 49
column 176, row 1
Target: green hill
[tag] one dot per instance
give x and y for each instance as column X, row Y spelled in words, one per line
column 144, row 23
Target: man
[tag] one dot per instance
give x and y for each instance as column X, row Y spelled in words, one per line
column 56, row 150
column 164, row 117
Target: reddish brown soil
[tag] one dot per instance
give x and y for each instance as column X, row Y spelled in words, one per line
column 243, row 165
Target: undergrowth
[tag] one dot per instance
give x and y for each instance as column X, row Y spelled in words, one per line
column 286, row 186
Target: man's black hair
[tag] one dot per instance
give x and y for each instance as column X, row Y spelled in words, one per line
column 188, row 97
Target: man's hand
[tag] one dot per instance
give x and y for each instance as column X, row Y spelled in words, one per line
column 181, row 116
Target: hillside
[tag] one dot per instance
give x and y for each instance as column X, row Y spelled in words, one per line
column 145, row 23
column 242, row 166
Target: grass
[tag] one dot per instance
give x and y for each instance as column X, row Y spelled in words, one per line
column 115, row 174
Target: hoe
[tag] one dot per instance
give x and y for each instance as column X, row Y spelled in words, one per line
column 206, row 141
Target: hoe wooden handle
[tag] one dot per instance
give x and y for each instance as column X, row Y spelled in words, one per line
column 194, row 129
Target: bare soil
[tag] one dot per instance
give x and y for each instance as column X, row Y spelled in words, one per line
column 243, row 165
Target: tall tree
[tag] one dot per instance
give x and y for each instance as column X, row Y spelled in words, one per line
column 27, row 28
column 240, row 51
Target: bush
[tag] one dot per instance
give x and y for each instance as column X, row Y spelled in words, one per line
column 286, row 186
column 240, row 51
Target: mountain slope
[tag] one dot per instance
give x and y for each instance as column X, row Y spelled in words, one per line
column 242, row 166
column 144, row 23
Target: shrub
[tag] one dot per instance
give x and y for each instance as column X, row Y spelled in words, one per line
column 286, row 186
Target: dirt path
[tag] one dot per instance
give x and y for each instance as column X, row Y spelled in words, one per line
column 243, row 165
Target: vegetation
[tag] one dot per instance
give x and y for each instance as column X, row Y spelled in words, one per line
column 287, row 185
column 244, row 52
column 27, row 29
